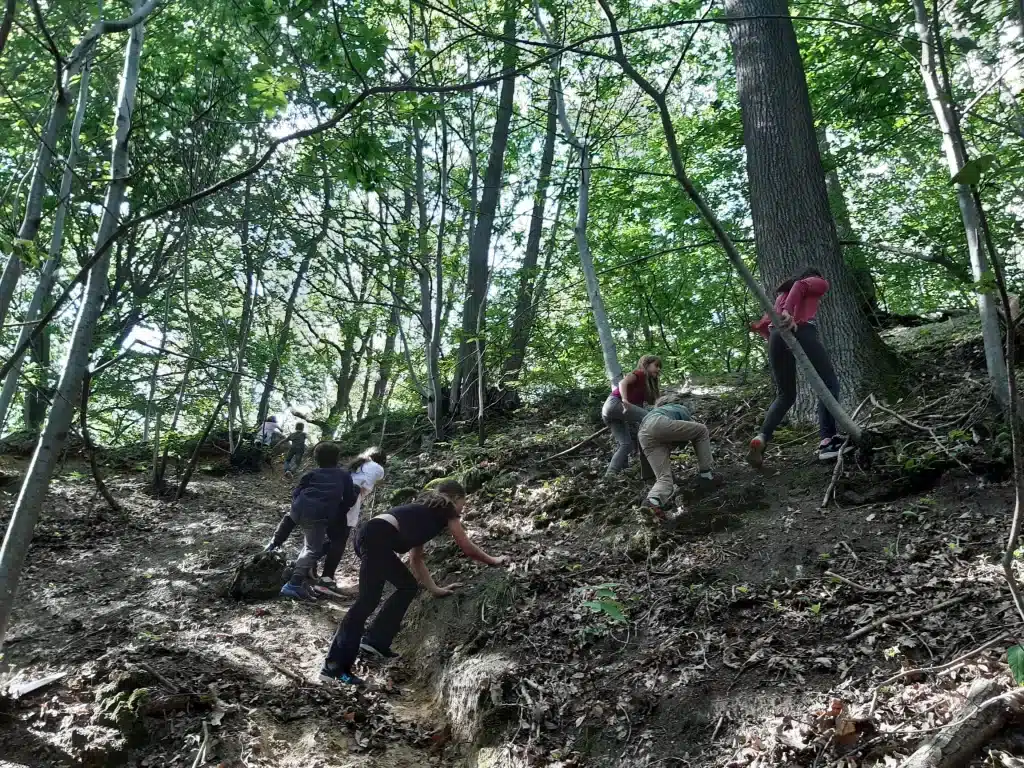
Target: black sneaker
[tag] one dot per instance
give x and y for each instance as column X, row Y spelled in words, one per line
column 271, row 547
column 341, row 676
column 834, row 448
column 380, row 653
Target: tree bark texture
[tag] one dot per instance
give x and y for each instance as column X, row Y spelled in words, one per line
column 51, row 442
column 793, row 226
column 474, row 306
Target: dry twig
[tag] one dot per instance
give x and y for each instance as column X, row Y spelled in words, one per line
column 893, row 617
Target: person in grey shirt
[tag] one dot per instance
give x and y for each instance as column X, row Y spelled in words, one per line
column 297, row 450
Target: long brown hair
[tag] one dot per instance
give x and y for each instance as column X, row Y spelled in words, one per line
column 651, row 382
column 443, row 496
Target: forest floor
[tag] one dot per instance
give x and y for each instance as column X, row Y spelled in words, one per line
column 747, row 631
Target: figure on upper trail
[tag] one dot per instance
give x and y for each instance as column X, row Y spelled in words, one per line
column 403, row 529
column 319, row 504
column 667, row 425
column 796, row 303
column 296, row 450
column 624, row 408
column 269, row 432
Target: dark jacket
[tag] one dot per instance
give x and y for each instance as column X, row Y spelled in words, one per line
column 323, row 494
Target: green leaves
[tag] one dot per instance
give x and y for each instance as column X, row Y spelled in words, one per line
column 973, row 170
column 1015, row 660
column 607, row 604
column 271, row 92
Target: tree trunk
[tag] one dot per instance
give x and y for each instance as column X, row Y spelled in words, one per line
column 522, row 320
column 793, row 225
column 193, row 461
column 475, row 305
column 853, row 255
column 51, row 443
column 286, row 325
column 48, row 273
column 245, row 322
column 8, row 21
column 803, row 363
column 956, row 158
column 94, row 465
column 39, row 392
column 604, row 331
column 387, row 357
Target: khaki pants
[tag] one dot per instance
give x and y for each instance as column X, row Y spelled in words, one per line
column 658, row 435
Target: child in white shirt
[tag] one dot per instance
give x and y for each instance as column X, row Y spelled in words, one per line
column 367, row 470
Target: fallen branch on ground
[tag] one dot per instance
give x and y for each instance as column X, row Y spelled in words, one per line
column 854, row 584
column 893, row 617
column 578, row 445
column 983, row 716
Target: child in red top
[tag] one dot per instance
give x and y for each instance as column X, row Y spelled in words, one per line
column 624, row 408
column 796, row 304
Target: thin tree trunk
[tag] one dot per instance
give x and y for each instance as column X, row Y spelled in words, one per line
column 83, row 422
column 51, row 443
column 956, row 158
column 475, row 305
column 361, row 414
column 522, row 320
column 604, row 331
column 194, row 460
column 286, row 326
column 69, row 69
column 679, row 171
column 853, row 255
column 151, row 398
column 245, row 322
column 8, row 21
column 793, row 226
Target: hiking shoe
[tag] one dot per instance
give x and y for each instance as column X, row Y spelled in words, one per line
column 654, row 505
column 341, row 676
column 288, row 475
column 327, row 582
column 271, row 547
column 297, row 592
column 833, row 448
column 380, row 653
column 755, row 453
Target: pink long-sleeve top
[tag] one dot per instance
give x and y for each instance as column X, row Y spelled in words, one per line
column 801, row 303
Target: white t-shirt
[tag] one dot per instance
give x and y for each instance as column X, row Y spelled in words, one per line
column 365, row 478
column 267, row 432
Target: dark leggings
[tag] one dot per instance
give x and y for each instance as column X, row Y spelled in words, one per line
column 784, row 372
column 334, row 549
column 378, row 565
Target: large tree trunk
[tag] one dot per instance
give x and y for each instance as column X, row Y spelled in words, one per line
column 522, row 321
column 793, row 225
column 245, row 322
column 956, row 158
column 51, row 442
column 475, row 305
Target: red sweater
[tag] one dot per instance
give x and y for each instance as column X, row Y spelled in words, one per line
column 801, row 303
column 636, row 392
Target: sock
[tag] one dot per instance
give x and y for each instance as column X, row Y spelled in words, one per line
column 707, row 475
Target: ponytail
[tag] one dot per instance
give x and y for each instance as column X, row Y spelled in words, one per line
column 370, row 454
column 443, row 496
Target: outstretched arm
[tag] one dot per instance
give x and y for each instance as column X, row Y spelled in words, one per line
column 419, row 569
column 471, row 549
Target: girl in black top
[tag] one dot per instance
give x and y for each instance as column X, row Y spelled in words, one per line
column 404, row 529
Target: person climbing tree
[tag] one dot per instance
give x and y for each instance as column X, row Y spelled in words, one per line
column 296, row 450
column 796, row 302
column 624, row 408
column 367, row 470
column 320, row 500
column 404, row 529
column 668, row 424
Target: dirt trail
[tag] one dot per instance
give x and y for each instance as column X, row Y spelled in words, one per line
column 106, row 595
column 734, row 645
